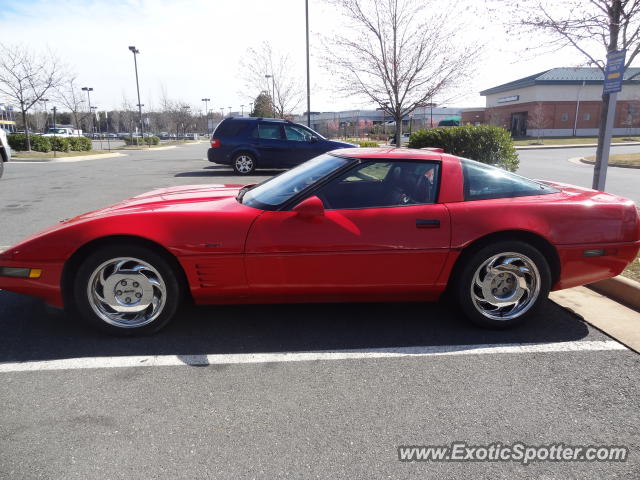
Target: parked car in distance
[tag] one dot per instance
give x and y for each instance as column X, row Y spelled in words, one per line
column 247, row 143
column 5, row 150
column 62, row 132
column 191, row 136
column 364, row 224
column 164, row 135
column 404, row 139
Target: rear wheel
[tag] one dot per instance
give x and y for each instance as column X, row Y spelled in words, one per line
column 127, row 290
column 503, row 284
column 244, row 164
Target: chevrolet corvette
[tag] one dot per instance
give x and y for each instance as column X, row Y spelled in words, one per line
column 351, row 225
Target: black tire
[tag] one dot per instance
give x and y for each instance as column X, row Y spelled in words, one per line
column 243, row 163
column 470, row 296
column 159, row 265
column 1, row 167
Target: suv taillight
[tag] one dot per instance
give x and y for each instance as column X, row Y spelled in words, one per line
column 215, row 142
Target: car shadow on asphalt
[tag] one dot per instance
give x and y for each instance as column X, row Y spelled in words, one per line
column 218, row 171
column 32, row 332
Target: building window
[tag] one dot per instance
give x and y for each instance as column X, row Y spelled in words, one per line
column 586, row 116
column 564, row 117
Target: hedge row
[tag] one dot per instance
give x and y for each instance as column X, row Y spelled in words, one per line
column 18, row 142
column 138, row 140
column 484, row 143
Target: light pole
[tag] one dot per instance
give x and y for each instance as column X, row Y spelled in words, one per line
column 46, row 113
column 89, row 90
column 229, row 110
column 135, row 52
column 242, row 110
column 206, row 111
column 273, row 94
column 185, row 108
column 250, row 108
column 306, row 11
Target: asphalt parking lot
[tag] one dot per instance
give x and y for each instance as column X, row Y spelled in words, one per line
column 236, row 400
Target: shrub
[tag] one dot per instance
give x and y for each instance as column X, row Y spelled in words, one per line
column 59, row 144
column 80, row 144
column 484, row 143
column 18, row 142
column 367, row 143
column 152, row 140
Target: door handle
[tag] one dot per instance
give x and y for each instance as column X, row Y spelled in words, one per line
column 430, row 223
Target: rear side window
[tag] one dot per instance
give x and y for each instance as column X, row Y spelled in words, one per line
column 483, row 182
column 268, row 131
column 229, row 128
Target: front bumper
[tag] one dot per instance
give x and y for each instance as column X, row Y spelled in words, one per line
column 46, row 287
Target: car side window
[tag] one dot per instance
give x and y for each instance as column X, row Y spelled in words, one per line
column 484, row 182
column 383, row 184
column 267, row 131
column 296, row 134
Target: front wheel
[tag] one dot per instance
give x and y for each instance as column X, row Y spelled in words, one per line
column 127, row 290
column 244, row 164
column 503, row 284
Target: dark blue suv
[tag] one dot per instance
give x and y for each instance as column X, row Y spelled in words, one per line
column 250, row 143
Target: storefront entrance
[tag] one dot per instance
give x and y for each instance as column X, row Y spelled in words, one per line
column 519, row 124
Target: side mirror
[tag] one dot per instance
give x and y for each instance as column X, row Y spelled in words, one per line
column 309, row 208
column 313, row 139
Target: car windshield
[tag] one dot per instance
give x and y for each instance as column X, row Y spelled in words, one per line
column 278, row 190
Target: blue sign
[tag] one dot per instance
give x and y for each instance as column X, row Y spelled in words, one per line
column 614, row 72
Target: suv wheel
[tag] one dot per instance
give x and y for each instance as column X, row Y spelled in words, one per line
column 244, row 164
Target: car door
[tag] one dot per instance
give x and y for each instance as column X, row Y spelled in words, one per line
column 373, row 240
column 268, row 139
column 300, row 144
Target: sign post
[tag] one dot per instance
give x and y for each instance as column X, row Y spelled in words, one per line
column 613, row 76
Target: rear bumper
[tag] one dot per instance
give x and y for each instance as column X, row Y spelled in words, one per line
column 577, row 269
column 215, row 155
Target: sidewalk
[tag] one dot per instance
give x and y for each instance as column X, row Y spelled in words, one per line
column 614, row 319
column 79, row 158
column 571, row 145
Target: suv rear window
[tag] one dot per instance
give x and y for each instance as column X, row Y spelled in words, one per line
column 229, row 128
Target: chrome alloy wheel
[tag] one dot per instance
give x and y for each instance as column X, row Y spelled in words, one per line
column 126, row 292
column 244, row 163
column 505, row 286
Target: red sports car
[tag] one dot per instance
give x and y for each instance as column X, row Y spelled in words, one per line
column 351, row 225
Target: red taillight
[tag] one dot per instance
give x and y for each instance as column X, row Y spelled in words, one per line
column 215, row 142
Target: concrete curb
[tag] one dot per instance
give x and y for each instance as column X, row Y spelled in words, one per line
column 592, row 162
column 578, row 145
column 622, row 290
column 79, row 158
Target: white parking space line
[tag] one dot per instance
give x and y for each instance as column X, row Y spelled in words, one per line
column 281, row 357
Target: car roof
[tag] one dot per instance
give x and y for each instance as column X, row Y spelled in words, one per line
column 392, row 153
column 255, row 119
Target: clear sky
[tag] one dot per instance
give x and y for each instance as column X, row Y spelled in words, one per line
column 193, row 48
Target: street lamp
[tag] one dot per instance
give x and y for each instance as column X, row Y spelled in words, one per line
column 250, row 108
column 306, row 11
column 229, row 110
column 273, row 94
column 89, row 90
column 206, row 111
column 135, row 52
column 242, row 110
column 46, row 113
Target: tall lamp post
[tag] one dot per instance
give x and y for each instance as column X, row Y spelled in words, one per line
column 89, row 90
column 273, row 94
column 135, row 52
column 206, row 111
column 306, row 11
column 242, row 110
column 250, row 108
column 46, row 113
column 229, row 110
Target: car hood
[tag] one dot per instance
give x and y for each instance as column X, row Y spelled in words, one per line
column 163, row 198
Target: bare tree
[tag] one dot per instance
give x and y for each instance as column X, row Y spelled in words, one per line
column 593, row 28
column 26, row 77
column 537, row 120
column 400, row 54
column 267, row 71
column 72, row 98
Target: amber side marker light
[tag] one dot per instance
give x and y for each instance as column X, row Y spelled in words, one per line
column 19, row 272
